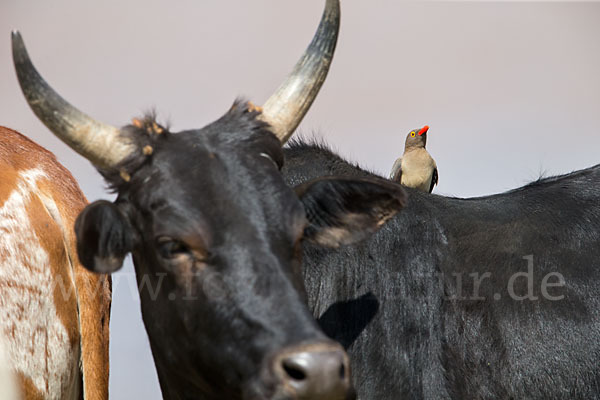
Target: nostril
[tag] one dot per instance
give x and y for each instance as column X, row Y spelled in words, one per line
column 318, row 371
column 293, row 370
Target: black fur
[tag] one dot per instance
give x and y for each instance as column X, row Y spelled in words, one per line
column 344, row 321
column 215, row 235
column 104, row 237
column 344, row 211
column 432, row 338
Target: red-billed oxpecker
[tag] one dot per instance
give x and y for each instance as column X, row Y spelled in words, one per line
column 416, row 168
column 209, row 219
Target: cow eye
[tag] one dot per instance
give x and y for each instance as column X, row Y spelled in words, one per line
column 171, row 248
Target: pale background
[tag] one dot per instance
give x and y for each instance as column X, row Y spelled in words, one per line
column 510, row 90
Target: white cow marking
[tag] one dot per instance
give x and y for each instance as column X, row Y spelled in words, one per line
column 37, row 343
column 8, row 388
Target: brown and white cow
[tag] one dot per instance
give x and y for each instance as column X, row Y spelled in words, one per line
column 53, row 313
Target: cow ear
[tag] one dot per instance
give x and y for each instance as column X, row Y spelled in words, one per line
column 343, row 211
column 103, row 237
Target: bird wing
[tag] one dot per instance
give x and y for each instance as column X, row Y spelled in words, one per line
column 396, row 174
column 434, row 179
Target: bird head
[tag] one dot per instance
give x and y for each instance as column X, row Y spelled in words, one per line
column 417, row 138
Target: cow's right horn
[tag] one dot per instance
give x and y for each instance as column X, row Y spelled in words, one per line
column 286, row 107
column 99, row 143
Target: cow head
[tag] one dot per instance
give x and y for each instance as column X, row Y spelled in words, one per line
column 214, row 229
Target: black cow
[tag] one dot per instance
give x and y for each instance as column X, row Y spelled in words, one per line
column 495, row 297
column 210, row 221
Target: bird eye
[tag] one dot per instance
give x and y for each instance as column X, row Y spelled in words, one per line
column 412, row 134
column 170, row 248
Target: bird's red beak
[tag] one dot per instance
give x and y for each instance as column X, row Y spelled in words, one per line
column 423, row 130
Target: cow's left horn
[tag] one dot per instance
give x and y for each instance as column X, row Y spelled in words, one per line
column 287, row 106
column 98, row 142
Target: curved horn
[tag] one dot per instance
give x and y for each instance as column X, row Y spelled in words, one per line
column 287, row 106
column 98, row 142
